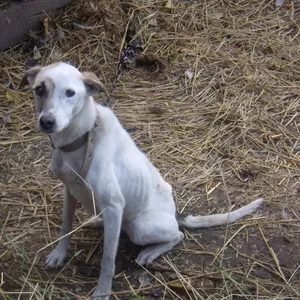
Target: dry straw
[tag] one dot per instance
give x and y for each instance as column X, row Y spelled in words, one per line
column 221, row 123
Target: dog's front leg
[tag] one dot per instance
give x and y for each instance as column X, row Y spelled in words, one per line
column 58, row 255
column 112, row 220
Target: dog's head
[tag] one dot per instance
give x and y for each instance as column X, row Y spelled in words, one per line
column 60, row 91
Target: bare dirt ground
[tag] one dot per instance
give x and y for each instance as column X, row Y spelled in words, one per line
column 220, row 122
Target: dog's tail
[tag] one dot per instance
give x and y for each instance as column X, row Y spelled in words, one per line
column 218, row 219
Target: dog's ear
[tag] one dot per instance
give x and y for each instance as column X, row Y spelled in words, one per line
column 29, row 76
column 92, row 83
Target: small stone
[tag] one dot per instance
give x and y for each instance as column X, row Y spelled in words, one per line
column 263, row 273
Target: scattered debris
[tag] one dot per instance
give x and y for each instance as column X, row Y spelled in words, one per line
column 149, row 62
column 169, row 4
column 279, row 2
column 157, row 110
column 144, row 279
column 36, row 53
column 189, row 74
column 285, row 215
column 6, row 119
column 83, row 26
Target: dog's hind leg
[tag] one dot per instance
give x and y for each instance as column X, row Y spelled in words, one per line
column 160, row 230
column 152, row 252
column 58, row 255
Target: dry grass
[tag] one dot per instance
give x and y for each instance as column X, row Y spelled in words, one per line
column 223, row 133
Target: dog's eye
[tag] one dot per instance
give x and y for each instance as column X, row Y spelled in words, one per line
column 70, row 93
column 39, row 91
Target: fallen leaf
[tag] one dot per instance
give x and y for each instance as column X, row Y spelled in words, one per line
column 36, row 53
column 78, row 253
column 10, row 96
column 217, row 14
column 191, row 53
column 5, row 256
column 6, row 119
column 46, row 26
column 279, row 3
column 153, row 22
column 170, row 4
column 83, row 26
column 274, row 64
column 178, row 285
column 189, row 74
column 94, row 6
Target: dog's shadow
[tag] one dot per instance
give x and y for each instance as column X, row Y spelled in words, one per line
column 127, row 254
column 125, row 260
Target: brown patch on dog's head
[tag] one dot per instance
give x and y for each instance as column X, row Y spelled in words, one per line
column 43, row 94
column 92, row 83
column 43, row 90
column 29, row 76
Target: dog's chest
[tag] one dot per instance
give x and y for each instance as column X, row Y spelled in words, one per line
column 66, row 167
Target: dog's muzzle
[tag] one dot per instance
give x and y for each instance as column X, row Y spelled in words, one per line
column 47, row 123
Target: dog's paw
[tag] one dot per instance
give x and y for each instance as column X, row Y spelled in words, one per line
column 146, row 257
column 56, row 258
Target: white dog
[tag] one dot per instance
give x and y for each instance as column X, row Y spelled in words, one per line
column 102, row 168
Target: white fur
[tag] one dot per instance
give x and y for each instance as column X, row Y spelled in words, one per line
column 127, row 187
column 63, row 108
column 220, row 219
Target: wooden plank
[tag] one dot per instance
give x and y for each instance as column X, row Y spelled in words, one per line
column 24, row 16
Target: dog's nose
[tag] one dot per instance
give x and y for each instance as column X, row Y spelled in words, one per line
column 47, row 122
